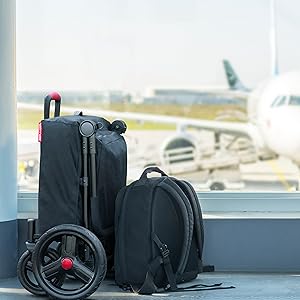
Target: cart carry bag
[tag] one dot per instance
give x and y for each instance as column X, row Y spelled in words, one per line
column 61, row 181
column 159, row 234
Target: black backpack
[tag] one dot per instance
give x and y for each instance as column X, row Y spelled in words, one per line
column 159, row 234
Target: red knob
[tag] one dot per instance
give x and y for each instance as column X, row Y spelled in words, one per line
column 55, row 96
column 67, row 263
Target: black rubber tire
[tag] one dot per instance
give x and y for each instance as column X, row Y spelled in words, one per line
column 22, row 273
column 98, row 254
column 25, row 265
column 118, row 126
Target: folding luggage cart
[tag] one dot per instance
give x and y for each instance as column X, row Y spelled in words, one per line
column 66, row 259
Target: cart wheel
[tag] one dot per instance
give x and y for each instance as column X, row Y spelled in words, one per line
column 26, row 276
column 118, row 126
column 81, row 256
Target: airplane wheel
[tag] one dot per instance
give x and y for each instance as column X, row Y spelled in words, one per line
column 82, row 256
column 217, row 186
column 26, row 275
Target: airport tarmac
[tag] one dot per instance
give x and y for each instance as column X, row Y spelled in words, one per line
column 144, row 148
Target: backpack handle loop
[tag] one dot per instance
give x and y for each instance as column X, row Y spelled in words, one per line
column 150, row 170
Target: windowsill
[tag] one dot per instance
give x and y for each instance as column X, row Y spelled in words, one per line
column 251, row 215
column 215, row 205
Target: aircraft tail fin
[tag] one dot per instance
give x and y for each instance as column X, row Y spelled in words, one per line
column 233, row 80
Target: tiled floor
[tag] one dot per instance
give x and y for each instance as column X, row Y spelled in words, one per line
column 247, row 286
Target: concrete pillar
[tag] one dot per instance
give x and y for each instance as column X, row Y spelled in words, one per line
column 8, row 140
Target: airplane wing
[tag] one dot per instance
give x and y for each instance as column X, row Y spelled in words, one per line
column 233, row 94
column 234, row 128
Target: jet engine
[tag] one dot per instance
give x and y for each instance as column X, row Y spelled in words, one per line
column 180, row 154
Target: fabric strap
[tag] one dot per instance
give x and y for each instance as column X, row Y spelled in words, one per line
column 165, row 254
column 149, row 287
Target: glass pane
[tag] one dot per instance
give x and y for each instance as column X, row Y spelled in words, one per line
column 282, row 101
column 274, row 103
column 294, row 100
column 160, row 62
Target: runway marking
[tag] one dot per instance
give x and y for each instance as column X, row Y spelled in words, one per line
column 280, row 175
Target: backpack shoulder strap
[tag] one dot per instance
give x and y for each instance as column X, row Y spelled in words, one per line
column 149, row 286
column 188, row 219
column 198, row 221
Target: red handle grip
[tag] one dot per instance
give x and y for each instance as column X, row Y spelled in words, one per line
column 57, row 98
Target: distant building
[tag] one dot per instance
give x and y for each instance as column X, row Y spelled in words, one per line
column 187, row 97
column 153, row 96
column 103, row 97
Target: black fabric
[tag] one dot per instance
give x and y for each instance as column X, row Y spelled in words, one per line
column 204, row 287
column 194, row 263
column 165, row 254
column 188, row 219
column 60, row 182
column 157, row 207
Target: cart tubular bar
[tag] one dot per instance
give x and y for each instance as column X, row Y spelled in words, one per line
column 85, row 180
column 92, row 144
column 87, row 131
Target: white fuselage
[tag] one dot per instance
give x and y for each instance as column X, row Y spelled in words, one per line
column 274, row 109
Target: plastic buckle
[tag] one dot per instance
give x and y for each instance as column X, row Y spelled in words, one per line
column 126, row 287
column 164, row 251
column 83, row 181
column 36, row 236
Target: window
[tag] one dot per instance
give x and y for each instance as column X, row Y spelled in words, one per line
column 279, row 101
column 160, row 60
column 275, row 101
column 294, row 100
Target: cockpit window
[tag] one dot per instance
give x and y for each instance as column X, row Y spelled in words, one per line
column 294, row 100
column 275, row 101
column 279, row 101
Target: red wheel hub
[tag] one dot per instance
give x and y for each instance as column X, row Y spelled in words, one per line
column 67, row 263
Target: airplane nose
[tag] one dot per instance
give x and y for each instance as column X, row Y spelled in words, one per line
column 286, row 132
column 293, row 145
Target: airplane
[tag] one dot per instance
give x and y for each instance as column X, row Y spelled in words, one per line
column 273, row 110
column 273, row 121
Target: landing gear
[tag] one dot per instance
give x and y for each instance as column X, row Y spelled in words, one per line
column 81, row 257
column 217, row 186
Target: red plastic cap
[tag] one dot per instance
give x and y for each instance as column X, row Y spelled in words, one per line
column 55, row 96
column 67, row 263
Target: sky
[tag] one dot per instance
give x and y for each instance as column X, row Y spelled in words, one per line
column 138, row 44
